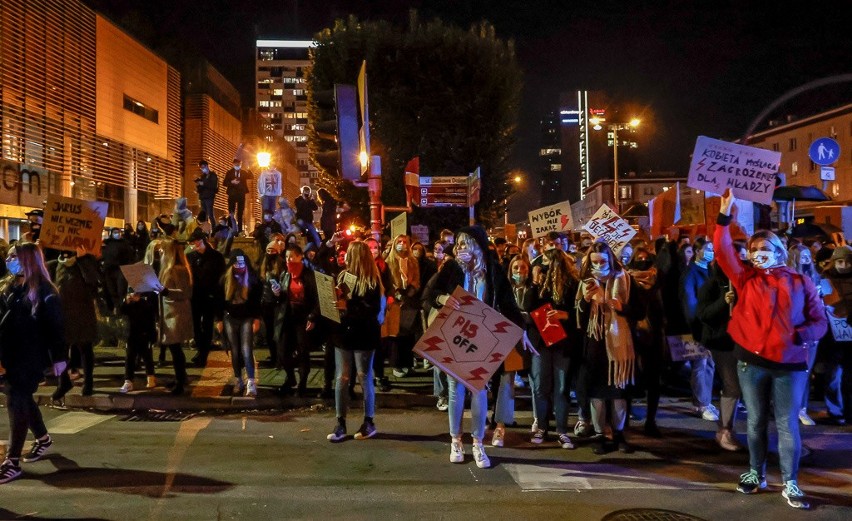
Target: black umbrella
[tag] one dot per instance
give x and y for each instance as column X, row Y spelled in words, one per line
column 799, row 193
column 815, row 230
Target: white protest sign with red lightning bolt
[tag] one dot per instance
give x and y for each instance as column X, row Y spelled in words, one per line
column 607, row 225
column 471, row 343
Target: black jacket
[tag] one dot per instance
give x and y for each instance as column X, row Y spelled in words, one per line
column 305, row 209
column 207, row 269
column 714, row 313
column 240, row 189
column 248, row 309
column 207, row 186
column 142, row 317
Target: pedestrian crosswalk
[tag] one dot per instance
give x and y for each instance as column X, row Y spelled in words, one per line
column 592, row 476
column 74, row 422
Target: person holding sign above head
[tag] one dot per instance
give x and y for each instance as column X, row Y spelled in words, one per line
column 778, row 313
column 479, row 273
column 609, row 359
column 360, row 291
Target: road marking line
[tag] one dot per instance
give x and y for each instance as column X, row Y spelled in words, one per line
column 588, row 476
column 74, row 422
column 186, row 434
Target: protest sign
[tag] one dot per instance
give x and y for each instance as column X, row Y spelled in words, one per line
column 748, row 171
column 399, row 225
column 606, row 224
column 840, row 329
column 470, row 343
column 664, row 211
column 141, row 277
column 70, row 223
column 420, row 232
column 327, row 294
column 684, row 347
column 553, row 218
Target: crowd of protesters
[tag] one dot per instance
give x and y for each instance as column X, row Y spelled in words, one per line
column 757, row 306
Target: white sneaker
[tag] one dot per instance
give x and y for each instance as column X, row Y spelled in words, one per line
column 708, row 413
column 480, row 457
column 251, row 388
column 725, row 438
column 443, row 404
column 127, row 387
column 456, row 452
column 519, row 382
column 565, row 442
column 497, row 439
column 534, row 426
column 805, row 419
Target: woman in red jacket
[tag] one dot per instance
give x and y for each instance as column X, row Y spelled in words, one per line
column 778, row 312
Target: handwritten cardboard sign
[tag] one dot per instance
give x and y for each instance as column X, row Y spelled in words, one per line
column 69, row 223
column 607, row 225
column 471, row 343
column 420, row 232
column 553, row 218
column 840, row 329
column 327, row 295
column 684, row 347
column 399, row 225
column 748, row 171
column 140, row 277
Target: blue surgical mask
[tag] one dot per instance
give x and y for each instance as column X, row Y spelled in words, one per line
column 709, row 256
column 14, row 266
column 517, row 278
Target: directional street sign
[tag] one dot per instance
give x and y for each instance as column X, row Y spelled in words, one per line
column 826, row 173
column 824, row 151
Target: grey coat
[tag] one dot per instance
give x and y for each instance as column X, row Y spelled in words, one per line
column 176, row 308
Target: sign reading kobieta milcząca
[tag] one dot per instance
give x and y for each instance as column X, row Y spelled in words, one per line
column 554, row 218
column 71, row 223
column 748, row 171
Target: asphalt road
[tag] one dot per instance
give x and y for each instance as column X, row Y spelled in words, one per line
column 278, row 465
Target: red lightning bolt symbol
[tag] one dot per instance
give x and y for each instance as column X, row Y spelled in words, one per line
column 477, row 373
column 466, row 300
column 496, row 357
column 501, row 327
column 432, row 344
column 447, row 359
column 441, row 315
column 608, row 224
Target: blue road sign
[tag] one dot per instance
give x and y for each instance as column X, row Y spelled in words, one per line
column 824, row 151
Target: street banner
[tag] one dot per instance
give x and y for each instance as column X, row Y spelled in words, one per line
column 684, row 347
column 140, row 276
column 607, row 225
column 327, row 294
column 748, row 171
column 69, row 223
column 471, row 343
column 840, row 329
column 553, row 218
column 420, row 232
column 664, row 211
column 399, row 225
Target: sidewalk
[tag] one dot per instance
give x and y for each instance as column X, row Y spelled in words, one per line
column 210, row 387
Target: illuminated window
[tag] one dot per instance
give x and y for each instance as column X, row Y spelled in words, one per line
column 555, row 167
column 277, row 92
column 298, row 92
column 794, row 168
column 137, row 107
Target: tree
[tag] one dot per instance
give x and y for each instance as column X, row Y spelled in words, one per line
column 436, row 91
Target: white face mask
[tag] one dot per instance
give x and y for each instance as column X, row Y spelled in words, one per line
column 401, row 248
column 762, row 259
column 464, row 256
column 600, row 272
column 709, row 256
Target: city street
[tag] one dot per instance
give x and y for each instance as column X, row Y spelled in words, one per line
column 277, row 465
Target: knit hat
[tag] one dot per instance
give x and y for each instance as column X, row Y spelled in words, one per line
column 477, row 233
column 841, row 252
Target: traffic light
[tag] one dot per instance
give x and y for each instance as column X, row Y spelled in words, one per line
column 336, row 130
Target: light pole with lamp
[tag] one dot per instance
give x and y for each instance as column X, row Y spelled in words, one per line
column 517, row 178
column 615, row 127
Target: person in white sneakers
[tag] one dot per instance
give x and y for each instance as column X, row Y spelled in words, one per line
column 480, row 273
column 241, row 319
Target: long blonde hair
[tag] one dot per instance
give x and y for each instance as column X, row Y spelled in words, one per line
column 479, row 260
column 394, row 260
column 33, row 269
column 173, row 255
column 150, row 256
column 360, row 262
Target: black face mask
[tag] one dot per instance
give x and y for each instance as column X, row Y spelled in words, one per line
column 642, row 265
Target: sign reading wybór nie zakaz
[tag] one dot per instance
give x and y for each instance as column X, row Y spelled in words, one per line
column 553, row 218
column 748, row 171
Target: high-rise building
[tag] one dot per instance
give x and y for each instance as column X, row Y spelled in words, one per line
column 85, row 111
column 550, row 160
column 281, row 66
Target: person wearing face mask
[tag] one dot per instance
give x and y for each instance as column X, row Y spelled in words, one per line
column 427, row 266
column 476, row 272
column 236, row 185
column 402, row 322
column 837, row 361
column 702, row 369
column 141, row 310
column 305, row 208
column 207, row 266
column 32, row 341
column 272, row 268
column 239, row 318
column 264, row 231
column 296, row 319
column 207, row 186
column 604, row 313
column 384, row 348
column 448, row 237
column 175, row 321
column 648, row 338
column 141, row 240
column 778, row 311
column 77, row 278
column 116, row 251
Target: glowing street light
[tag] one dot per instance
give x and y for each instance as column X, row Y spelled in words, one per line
column 615, row 127
column 263, row 159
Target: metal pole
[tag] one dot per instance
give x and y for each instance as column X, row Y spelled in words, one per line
column 375, row 189
column 505, row 212
column 615, row 168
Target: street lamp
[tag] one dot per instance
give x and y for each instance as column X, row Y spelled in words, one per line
column 615, row 127
column 263, row 159
column 517, row 179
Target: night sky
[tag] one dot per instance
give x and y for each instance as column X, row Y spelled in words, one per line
column 689, row 67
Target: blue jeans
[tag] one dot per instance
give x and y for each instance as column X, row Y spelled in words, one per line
column 504, row 408
column 207, row 206
column 363, row 361
column 439, row 383
column 549, row 383
column 478, row 409
column 240, row 336
column 806, row 392
column 762, row 387
column 310, row 231
column 701, row 380
column 833, row 385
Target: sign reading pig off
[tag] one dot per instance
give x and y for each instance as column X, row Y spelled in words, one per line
column 554, row 218
column 471, row 343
